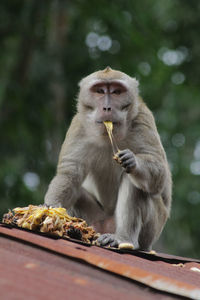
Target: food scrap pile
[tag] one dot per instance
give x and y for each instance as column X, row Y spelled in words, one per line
column 54, row 221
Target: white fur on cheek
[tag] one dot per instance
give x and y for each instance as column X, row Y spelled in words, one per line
column 91, row 116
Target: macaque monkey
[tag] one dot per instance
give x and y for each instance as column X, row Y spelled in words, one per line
column 135, row 188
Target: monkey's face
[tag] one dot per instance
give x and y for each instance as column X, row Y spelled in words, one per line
column 108, row 97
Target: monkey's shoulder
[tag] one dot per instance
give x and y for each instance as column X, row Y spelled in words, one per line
column 144, row 111
column 144, row 118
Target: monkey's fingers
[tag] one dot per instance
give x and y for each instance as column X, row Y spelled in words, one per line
column 108, row 240
column 114, row 244
column 120, row 155
column 124, row 153
column 126, row 156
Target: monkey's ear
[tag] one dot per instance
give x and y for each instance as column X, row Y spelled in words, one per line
column 135, row 82
column 135, row 85
column 80, row 83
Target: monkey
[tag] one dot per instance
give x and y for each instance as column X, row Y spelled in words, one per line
column 135, row 189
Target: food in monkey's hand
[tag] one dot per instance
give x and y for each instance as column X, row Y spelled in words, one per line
column 116, row 157
column 109, row 128
column 50, row 220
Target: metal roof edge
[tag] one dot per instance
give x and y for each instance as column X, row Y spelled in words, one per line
column 146, row 277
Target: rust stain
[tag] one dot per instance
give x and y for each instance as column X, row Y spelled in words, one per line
column 55, row 275
column 96, row 257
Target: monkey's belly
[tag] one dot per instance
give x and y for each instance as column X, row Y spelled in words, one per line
column 105, row 192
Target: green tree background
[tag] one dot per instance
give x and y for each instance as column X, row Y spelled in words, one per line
column 48, row 46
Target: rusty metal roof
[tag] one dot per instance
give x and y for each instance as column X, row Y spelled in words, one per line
column 38, row 267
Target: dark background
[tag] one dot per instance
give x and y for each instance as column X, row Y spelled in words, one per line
column 46, row 47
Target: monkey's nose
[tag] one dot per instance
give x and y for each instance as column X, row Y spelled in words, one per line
column 107, row 108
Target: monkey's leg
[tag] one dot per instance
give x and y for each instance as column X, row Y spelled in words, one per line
column 87, row 208
column 154, row 217
column 128, row 217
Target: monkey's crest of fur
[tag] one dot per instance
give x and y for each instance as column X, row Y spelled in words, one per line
column 107, row 69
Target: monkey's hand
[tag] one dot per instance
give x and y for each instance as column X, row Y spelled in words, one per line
column 108, row 239
column 127, row 159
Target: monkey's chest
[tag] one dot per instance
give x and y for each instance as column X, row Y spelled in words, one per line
column 104, row 184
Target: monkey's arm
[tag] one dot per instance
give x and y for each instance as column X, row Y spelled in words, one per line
column 64, row 187
column 71, row 170
column 146, row 171
column 145, row 160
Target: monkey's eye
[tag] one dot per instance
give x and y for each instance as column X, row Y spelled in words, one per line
column 100, row 91
column 125, row 107
column 117, row 92
column 88, row 107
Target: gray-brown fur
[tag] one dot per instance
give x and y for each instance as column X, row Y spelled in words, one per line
column 91, row 185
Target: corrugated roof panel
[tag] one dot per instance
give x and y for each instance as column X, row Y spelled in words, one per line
column 49, row 265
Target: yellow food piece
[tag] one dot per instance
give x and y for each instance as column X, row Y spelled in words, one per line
column 126, row 246
column 116, row 157
column 109, row 128
column 21, row 210
column 153, row 252
column 38, row 214
column 26, row 225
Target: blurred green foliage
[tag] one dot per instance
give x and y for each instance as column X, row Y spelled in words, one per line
column 48, row 46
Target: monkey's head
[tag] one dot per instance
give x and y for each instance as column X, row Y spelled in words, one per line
column 108, row 95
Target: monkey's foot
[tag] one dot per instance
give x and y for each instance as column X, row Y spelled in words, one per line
column 108, row 239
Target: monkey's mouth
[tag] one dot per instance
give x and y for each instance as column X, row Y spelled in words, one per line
column 101, row 122
column 102, row 127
